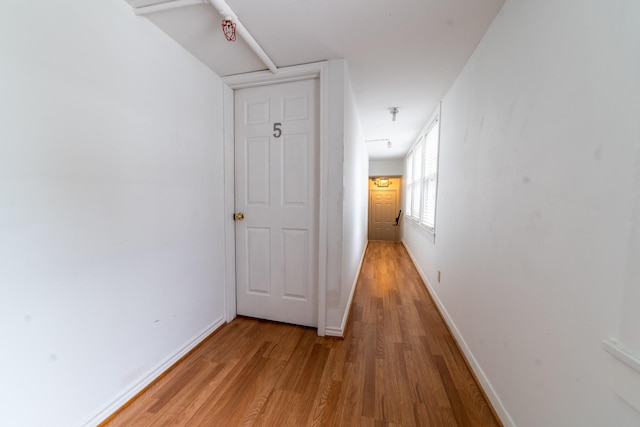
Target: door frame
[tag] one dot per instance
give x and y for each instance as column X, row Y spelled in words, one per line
column 318, row 70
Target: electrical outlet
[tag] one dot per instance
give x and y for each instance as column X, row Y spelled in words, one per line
column 438, row 276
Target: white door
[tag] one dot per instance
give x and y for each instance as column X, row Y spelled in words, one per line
column 277, row 191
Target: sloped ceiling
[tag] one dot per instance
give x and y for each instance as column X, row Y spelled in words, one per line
column 400, row 53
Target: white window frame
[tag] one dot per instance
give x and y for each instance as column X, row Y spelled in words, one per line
column 422, row 176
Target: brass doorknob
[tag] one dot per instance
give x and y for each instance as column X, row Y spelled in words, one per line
column 238, row 216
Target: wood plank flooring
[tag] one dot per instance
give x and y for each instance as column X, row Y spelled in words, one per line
column 397, row 366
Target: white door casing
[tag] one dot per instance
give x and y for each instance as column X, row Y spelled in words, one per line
column 276, row 188
column 318, row 70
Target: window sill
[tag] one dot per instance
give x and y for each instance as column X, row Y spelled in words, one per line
column 428, row 233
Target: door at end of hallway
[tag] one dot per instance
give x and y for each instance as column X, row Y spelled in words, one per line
column 384, row 205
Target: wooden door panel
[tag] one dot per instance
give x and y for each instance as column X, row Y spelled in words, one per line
column 258, row 265
column 257, row 171
column 295, row 159
column 296, row 264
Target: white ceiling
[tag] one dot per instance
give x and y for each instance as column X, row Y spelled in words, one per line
column 400, row 53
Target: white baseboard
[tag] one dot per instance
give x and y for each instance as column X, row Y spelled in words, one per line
column 498, row 406
column 116, row 403
column 626, row 371
column 332, row 331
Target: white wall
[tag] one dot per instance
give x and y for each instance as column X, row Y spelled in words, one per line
column 394, row 167
column 347, row 198
column 539, row 165
column 356, row 201
column 111, row 246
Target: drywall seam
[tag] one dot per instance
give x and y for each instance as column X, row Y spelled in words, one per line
column 498, row 406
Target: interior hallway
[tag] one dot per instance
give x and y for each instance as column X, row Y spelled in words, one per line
column 398, row 366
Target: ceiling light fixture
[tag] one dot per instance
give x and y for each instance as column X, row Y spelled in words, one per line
column 394, row 113
column 387, row 140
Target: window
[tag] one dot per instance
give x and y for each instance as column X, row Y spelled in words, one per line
column 414, row 181
column 430, row 175
column 417, row 184
column 422, row 176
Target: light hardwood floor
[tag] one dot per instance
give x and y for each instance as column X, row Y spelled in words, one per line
column 397, row 366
